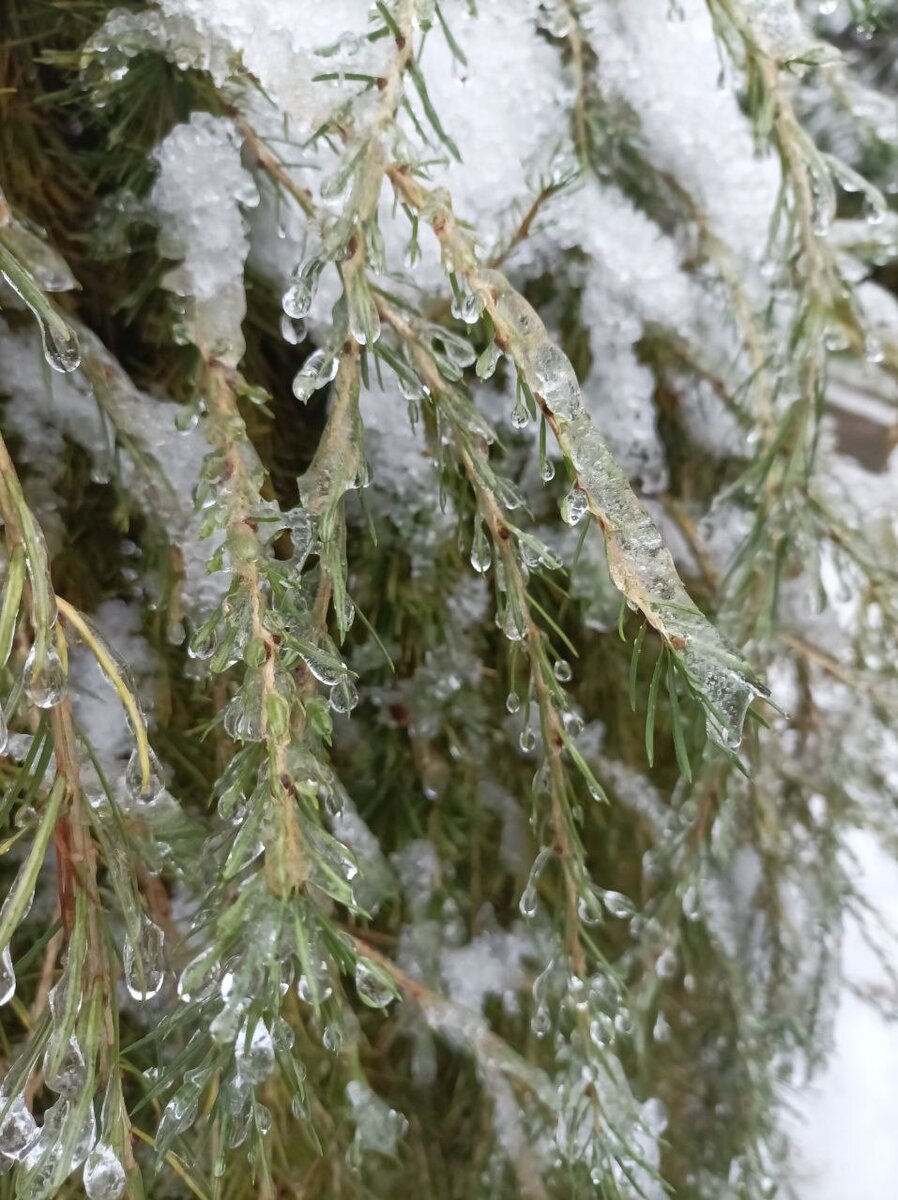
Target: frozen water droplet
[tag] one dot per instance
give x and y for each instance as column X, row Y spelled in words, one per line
column 332, row 1038
column 411, row 386
column 874, row 349
column 325, row 667
column 529, row 898
column 691, row 903
column 481, row 553
column 143, row 791
column 45, row 681
column 513, row 623
column 551, row 376
column 527, row 740
column 486, row 363
column 547, row 471
column 468, row 308
column 69, row 1076
column 18, row 1129
column 520, row 417
column 618, row 905
column 316, row 372
column 7, row 976
column 667, row 964
column 363, row 317
column 145, row 963
column 513, row 702
column 371, row 986
column 573, row 723
column 562, row 671
column 104, row 1175
column 601, row 1029
column 293, row 329
column 178, row 1114
column 574, row 506
column 344, row 697
column 297, row 300
column 254, row 1053
column 60, row 343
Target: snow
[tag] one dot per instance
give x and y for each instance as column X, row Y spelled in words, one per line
column 45, row 411
column 844, row 1138
column 197, row 200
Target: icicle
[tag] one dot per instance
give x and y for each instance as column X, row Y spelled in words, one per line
column 145, row 963
column 61, row 349
column 45, row 679
column 481, row 554
column 141, row 791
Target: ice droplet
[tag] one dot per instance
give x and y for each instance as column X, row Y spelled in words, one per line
column 7, row 976
column 513, row 623
column 254, row 1053
column 45, row 679
column 178, row 1114
column 344, row 697
column 562, row 671
column 70, row 1075
column 143, row 792
column 520, row 417
column 529, row 897
column 618, row 905
column 574, row 506
column 551, row 376
column 293, row 329
column 145, row 963
column 325, row 667
column 371, row 986
column 18, row 1129
column 513, row 702
column 297, row 300
column 481, row 554
column 486, row 363
column 104, row 1175
column 467, row 307
column 61, row 349
column 316, row 372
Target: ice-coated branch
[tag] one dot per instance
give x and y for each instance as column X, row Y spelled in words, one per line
column 640, row 564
